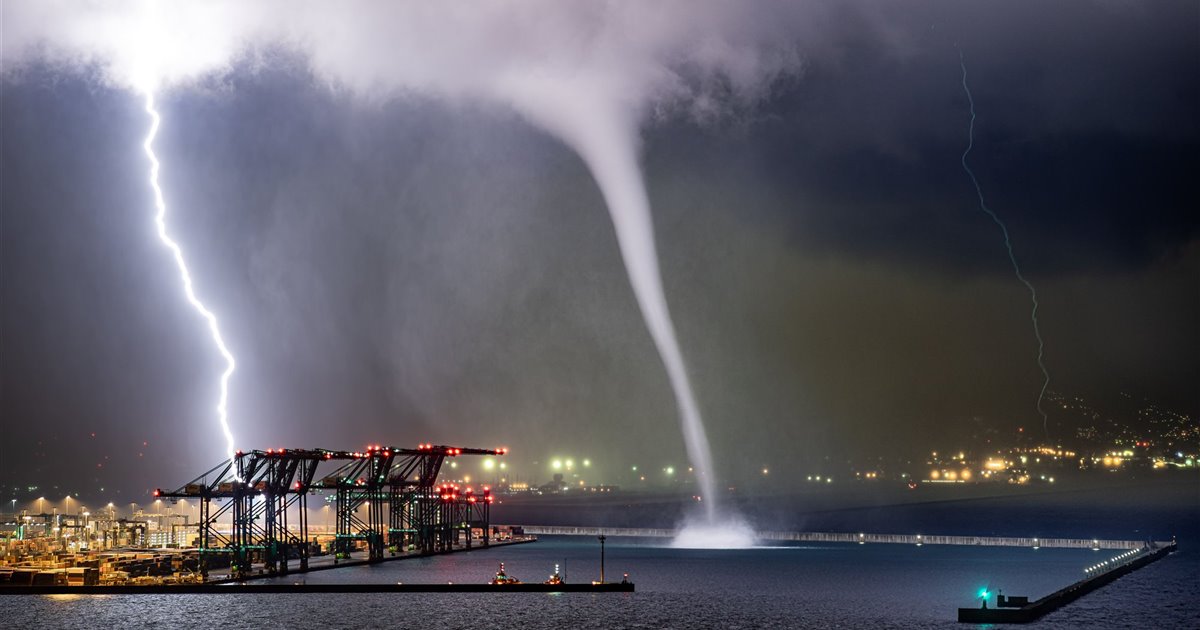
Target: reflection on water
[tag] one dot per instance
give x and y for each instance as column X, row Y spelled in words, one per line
column 65, row 598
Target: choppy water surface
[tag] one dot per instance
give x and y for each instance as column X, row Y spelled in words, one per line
column 787, row 587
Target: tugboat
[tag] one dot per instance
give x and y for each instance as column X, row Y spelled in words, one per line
column 504, row 578
column 556, row 578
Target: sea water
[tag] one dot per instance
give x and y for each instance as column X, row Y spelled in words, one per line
column 795, row 586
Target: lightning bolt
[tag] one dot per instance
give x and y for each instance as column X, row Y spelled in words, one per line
column 1037, row 333
column 189, row 291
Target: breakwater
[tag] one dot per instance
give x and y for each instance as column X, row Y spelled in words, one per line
column 1064, row 596
column 857, row 537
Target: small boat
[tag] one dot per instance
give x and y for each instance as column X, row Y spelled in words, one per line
column 556, row 578
column 504, row 578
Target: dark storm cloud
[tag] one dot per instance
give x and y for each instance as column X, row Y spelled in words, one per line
column 407, row 269
column 1085, row 138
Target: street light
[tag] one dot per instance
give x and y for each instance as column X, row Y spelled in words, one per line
column 602, row 538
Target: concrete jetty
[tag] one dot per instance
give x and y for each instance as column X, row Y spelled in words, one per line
column 1062, row 597
column 299, row 587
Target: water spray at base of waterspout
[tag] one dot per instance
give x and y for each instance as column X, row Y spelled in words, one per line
column 728, row 533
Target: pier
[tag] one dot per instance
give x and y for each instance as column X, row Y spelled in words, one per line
column 353, row 560
column 301, row 588
column 860, row 538
column 1054, row 601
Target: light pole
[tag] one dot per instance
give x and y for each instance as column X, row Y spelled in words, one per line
column 602, row 538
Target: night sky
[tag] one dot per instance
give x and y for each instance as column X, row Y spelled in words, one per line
column 412, row 268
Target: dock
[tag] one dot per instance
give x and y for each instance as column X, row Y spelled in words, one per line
column 22, row 578
column 300, row 587
column 1033, row 611
column 328, row 562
